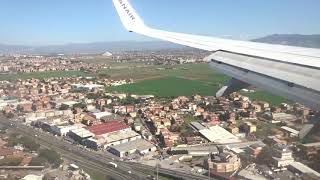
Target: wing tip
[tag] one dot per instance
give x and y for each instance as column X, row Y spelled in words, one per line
column 129, row 18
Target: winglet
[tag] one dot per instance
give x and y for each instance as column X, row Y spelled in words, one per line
column 130, row 19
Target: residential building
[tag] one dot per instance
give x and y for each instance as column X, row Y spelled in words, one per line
column 281, row 155
column 249, row 127
column 254, row 150
column 233, row 129
column 223, row 162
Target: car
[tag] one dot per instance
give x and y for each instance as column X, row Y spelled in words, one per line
column 129, row 172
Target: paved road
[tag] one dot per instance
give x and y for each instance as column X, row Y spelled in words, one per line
column 91, row 159
column 70, row 152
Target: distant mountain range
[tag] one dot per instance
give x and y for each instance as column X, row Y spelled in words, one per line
column 309, row 41
column 312, row 41
column 88, row 48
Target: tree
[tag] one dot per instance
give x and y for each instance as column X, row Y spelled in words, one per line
column 13, row 140
column 37, row 161
column 185, row 130
column 10, row 115
column 129, row 101
column 264, row 156
column 51, row 156
column 79, row 105
column 104, row 76
column 10, row 161
column 29, row 143
column 93, row 96
column 63, row 107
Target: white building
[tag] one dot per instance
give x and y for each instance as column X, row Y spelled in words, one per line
column 290, row 131
column 301, row 169
column 80, row 134
column 32, row 177
column 87, row 86
column 112, row 139
column 62, row 130
column 99, row 115
column 218, row 134
column 281, row 155
column 138, row 146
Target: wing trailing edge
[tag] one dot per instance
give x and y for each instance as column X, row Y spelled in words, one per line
column 291, row 72
column 289, row 54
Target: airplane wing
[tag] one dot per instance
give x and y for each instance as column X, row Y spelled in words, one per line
column 292, row 72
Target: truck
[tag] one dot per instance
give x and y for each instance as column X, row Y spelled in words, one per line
column 113, row 164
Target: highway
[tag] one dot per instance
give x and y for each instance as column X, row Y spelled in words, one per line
column 68, row 151
column 91, row 159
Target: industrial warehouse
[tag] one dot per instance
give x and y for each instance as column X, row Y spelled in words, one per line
column 140, row 146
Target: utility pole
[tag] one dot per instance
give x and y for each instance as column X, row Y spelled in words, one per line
column 210, row 153
column 208, row 172
column 157, row 170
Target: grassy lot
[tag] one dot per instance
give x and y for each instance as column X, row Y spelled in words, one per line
column 168, row 86
column 185, row 80
column 41, row 75
column 94, row 174
column 186, row 71
column 266, row 96
column 264, row 129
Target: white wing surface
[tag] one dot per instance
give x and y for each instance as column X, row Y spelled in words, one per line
column 292, row 72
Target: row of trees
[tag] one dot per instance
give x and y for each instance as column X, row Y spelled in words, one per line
column 27, row 142
column 51, row 157
column 46, row 156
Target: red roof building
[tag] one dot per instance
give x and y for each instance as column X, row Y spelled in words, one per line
column 4, row 152
column 108, row 127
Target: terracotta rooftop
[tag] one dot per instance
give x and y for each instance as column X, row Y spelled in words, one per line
column 108, row 127
column 6, row 152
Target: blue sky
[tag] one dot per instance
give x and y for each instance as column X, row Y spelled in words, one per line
column 43, row 22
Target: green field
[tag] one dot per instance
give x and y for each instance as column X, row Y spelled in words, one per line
column 41, row 75
column 188, row 79
column 171, row 86
column 168, row 87
column 186, row 71
column 266, row 96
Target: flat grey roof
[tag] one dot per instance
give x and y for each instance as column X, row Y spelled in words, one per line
column 303, row 168
column 197, row 148
column 316, row 144
column 139, row 144
column 197, row 126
